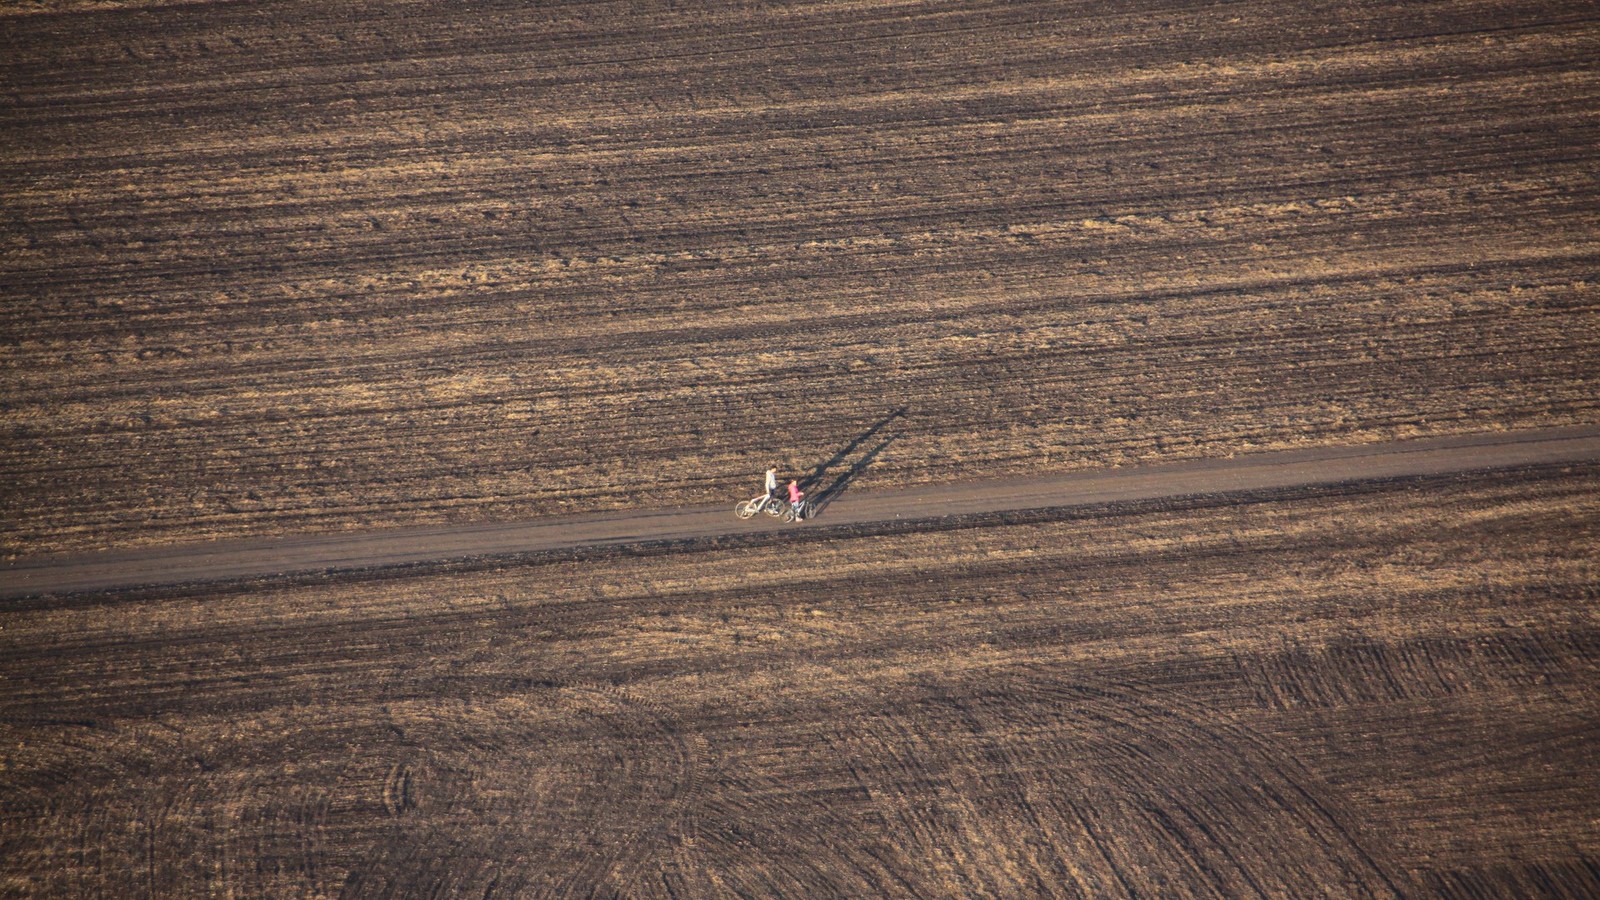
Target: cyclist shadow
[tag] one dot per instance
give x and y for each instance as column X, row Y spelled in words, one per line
column 842, row 483
column 821, row 497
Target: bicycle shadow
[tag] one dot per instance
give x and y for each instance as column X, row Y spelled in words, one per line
column 831, row 493
column 821, row 497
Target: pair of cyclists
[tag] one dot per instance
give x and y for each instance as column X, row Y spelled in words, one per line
column 795, row 494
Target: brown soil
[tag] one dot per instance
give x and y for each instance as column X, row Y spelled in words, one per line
column 291, row 267
column 833, row 508
column 1374, row 690
column 306, row 266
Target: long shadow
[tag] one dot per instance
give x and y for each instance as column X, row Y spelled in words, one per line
column 830, row 493
column 815, row 475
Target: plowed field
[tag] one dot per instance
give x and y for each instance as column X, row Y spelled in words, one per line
column 316, row 266
column 286, row 267
column 1379, row 690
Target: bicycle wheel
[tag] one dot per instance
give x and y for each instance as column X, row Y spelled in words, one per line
column 745, row 509
column 775, row 507
column 787, row 514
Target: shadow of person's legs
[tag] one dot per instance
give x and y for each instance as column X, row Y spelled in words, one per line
column 819, row 473
column 830, row 493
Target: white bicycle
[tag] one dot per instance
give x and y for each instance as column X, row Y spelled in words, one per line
column 770, row 505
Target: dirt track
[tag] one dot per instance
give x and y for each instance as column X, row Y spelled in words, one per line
column 828, row 485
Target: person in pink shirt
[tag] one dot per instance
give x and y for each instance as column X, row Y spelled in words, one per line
column 794, row 499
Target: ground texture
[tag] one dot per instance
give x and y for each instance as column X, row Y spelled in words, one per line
column 278, row 268
column 318, row 266
column 1377, row 690
column 831, row 507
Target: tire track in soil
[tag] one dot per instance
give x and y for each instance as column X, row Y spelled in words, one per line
column 594, row 815
column 135, row 792
column 1032, row 770
column 760, row 850
column 138, row 788
column 669, row 821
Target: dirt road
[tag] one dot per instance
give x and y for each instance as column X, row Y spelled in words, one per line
column 320, row 553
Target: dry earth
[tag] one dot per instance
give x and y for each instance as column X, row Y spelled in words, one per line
column 1377, row 690
column 290, row 267
column 830, row 508
column 316, row 266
